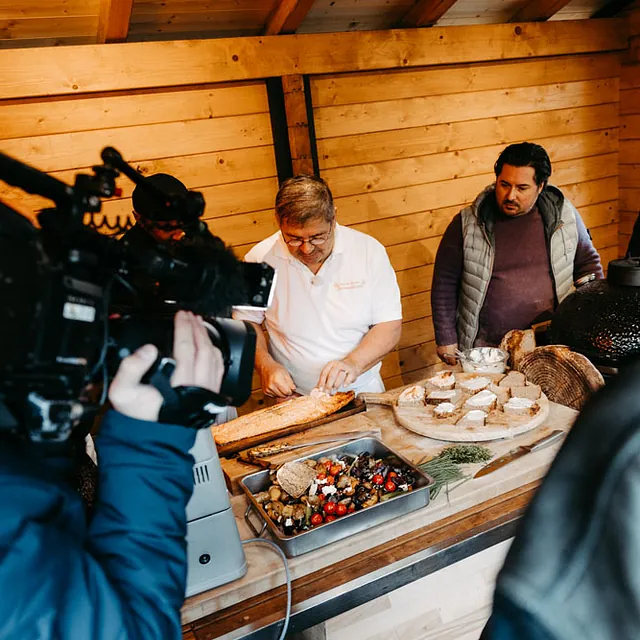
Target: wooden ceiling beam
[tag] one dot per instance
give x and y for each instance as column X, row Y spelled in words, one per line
column 615, row 7
column 425, row 13
column 32, row 72
column 538, row 10
column 114, row 19
column 287, row 16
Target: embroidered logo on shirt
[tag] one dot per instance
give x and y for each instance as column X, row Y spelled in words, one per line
column 354, row 284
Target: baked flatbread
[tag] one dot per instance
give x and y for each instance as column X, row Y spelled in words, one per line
column 286, row 414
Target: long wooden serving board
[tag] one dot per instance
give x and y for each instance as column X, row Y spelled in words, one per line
column 281, row 420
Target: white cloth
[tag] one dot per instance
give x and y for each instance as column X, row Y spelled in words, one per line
column 318, row 318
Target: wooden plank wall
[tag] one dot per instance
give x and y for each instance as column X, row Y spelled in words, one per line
column 216, row 139
column 48, row 22
column 403, row 151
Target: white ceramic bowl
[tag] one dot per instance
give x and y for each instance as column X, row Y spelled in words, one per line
column 484, row 360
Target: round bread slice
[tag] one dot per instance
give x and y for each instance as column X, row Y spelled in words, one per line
column 474, row 418
column 295, row 477
column 444, row 380
column 412, row 396
column 485, row 400
column 520, row 407
column 474, row 384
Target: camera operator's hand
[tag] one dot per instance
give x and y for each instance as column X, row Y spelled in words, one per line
column 198, row 364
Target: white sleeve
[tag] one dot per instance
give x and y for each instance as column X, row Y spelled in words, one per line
column 386, row 305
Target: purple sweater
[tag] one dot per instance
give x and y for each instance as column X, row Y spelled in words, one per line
column 521, row 290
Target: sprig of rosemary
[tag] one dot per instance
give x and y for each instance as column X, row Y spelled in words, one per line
column 445, row 467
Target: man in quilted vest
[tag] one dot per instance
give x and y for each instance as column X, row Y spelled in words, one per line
column 506, row 261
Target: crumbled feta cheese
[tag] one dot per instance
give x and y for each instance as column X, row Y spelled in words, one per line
column 288, row 522
column 313, row 489
column 329, row 491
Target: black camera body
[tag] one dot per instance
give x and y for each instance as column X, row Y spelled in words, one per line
column 61, row 330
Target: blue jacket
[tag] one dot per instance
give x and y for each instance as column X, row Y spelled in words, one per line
column 122, row 576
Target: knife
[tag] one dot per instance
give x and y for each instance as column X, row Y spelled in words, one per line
column 554, row 436
column 272, row 449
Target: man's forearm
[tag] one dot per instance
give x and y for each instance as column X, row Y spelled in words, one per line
column 376, row 344
column 263, row 357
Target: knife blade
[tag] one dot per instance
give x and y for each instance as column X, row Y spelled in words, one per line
column 273, row 449
column 520, row 451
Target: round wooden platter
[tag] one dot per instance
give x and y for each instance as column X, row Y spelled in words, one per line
column 420, row 420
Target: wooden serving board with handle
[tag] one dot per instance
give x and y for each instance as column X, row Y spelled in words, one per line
column 355, row 406
column 420, row 419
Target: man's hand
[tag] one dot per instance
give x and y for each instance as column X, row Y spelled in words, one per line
column 198, row 364
column 447, row 353
column 336, row 374
column 276, row 380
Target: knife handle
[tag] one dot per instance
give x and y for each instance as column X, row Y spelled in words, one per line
column 554, row 436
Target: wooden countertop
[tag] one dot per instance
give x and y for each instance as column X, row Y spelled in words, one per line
column 493, row 497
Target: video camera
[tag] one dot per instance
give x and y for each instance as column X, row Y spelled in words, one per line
column 59, row 331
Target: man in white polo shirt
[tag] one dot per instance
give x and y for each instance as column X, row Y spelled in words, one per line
column 336, row 310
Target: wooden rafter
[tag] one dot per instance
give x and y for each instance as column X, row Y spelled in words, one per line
column 538, row 10
column 425, row 13
column 287, row 16
column 113, row 23
column 615, row 7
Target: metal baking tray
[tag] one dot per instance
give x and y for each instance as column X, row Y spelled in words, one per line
column 346, row 525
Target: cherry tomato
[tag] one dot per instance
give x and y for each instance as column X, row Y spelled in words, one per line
column 391, row 475
column 335, row 469
column 341, row 509
column 321, row 476
column 327, row 465
column 329, row 508
column 377, row 479
column 322, row 497
column 331, row 480
column 352, row 508
column 329, row 518
column 390, row 486
column 316, row 519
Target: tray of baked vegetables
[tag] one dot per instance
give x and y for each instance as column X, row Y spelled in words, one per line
column 324, row 497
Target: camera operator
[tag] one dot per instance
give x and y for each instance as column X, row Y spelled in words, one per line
column 153, row 223
column 123, row 575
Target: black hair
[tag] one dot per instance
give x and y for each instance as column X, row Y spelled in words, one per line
column 526, row 154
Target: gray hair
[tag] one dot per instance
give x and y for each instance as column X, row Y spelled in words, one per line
column 303, row 198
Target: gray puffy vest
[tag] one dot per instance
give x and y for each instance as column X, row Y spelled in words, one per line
column 479, row 250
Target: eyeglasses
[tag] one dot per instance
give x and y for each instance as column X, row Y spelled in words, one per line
column 316, row 241
column 152, row 225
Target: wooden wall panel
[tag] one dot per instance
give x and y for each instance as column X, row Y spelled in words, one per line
column 191, row 134
column 48, row 22
column 404, row 151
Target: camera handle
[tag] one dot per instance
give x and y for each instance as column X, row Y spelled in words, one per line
column 188, row 406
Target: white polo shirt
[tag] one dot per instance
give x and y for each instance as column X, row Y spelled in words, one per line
column 318, row 318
